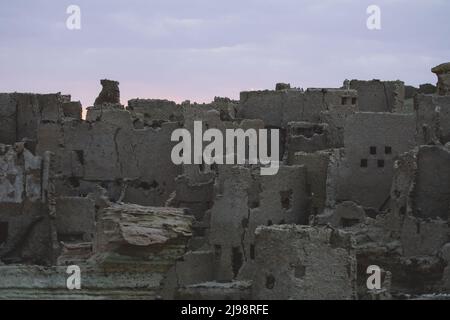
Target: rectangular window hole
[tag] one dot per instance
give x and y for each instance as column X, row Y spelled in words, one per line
column 286, row 199
column 347, row 222
column 80, row 156
column 70, row 237
column 3, row 232
column 299, row 271
column 252, row 251
column 217, row 251
column 236, row 260
column 364, row 163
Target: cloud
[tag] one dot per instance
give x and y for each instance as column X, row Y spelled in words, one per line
column 152, row 26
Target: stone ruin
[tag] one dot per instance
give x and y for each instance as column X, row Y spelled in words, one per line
column 364, row 181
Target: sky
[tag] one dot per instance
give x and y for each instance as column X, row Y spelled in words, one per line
column 198, row 49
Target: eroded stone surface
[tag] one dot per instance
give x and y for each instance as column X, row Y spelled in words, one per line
column 363, row 181
column 300, row 262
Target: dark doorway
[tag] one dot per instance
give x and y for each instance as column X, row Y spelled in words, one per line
column 3, row 232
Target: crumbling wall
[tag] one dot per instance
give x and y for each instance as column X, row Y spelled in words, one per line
column 316, row 167
column 194, row 187
column 423, row 238
column 234, row 233
column 24, row 220
column 420, row 198
column 335, row 120
column 379, row 96
column 445, row 255
column 372, row 143
column 343, row 215
column 442, row 71
column 110, row 93
column 72, row 109
column 433, row 118
column 150, row 110
column 22, row 113
column 432, row 185
column 306, row 137
column 8, row 121
column 226, row 107
column 135, row 162
column 421, row 185
column 245, row 200
column 278, row 108
column 303, row 263
column 75, row 219
column 426, row 88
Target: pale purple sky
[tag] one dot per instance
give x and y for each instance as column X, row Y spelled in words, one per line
column 199, row 49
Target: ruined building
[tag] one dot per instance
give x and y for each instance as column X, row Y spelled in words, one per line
column 364, row 181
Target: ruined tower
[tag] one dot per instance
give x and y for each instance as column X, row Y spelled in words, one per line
column 110, row 93
column 443, row 73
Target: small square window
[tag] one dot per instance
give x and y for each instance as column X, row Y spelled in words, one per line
column 380, row 163
column 364, row 163
column 388, row 150
column 344, row 101
column 354, row 101
column 373, row 150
